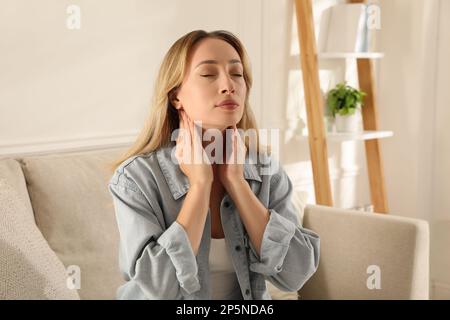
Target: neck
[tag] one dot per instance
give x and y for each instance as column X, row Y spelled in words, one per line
column 206, row 143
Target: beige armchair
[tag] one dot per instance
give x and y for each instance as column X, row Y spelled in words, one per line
column 59, row 240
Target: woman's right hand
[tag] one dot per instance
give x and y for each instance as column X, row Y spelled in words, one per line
column 194, row 162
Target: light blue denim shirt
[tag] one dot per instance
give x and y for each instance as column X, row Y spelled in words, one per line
column 156, row 258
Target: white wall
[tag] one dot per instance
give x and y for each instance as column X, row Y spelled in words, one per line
column 407, row 102
column 414, row 98
column 62, row 87
column 441, row 160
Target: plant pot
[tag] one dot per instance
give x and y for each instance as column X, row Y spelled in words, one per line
column 347, row 123
column 329, row 124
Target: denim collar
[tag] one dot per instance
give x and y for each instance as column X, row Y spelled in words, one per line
column 178, row 181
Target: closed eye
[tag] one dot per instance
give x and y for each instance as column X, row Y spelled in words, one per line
column 211, row 75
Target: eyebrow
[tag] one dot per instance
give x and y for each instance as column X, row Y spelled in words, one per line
column 232, row 61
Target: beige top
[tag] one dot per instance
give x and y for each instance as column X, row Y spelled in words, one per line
column 223, row 279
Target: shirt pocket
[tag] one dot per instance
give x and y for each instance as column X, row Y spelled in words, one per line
column 259, row 282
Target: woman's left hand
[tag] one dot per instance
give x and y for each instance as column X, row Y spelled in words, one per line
column 232, row 170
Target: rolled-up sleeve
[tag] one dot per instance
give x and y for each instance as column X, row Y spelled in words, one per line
column 289, row 252
column 160, row 262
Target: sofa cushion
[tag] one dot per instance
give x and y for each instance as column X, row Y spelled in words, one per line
column 11, row 172
column 29, row 269
column 75, row 213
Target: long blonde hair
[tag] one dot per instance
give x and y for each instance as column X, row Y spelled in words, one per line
column 163, row 117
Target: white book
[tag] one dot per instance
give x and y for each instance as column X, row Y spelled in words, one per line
column 343, row 28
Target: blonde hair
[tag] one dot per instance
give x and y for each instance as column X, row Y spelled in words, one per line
column 163, row 117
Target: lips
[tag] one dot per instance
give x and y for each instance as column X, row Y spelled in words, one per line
column 229, row 104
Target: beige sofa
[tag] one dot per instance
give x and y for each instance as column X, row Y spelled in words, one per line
column 59, row 240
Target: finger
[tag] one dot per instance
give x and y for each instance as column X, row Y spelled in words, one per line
column 180, row 116
column 179, row 141
column 181, row 133
column 187, row 124
column 183, row 118
column 240, row 146
column 239, row 139
column 179, row 152
column 187, row 139
column 197, row 142
column 192, row 132
column 236, row 151
column 192, row 129
column 180, row 136
column 196, row 155
column 186, row 128
column 232, row 151
column 236, row 133
column 196, row 133
column 229, row 145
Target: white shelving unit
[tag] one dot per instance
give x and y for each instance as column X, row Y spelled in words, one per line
column 308, row 60
column 350, row 55
column 294, row 59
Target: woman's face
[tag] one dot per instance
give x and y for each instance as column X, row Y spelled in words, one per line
column 214, row 74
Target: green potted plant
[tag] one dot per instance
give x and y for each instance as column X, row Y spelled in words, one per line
column 342, row 102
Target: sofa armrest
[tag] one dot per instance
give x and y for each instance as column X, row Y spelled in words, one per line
column 368, row 255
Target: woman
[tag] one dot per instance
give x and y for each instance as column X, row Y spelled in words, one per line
column 205, row 229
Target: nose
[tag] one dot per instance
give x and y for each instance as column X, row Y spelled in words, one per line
column 228, row 91
column 227, row 86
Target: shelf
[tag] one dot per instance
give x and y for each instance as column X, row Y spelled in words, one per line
column 309, row 63
column 354, row 136
column 294, row 60
column 354, row 55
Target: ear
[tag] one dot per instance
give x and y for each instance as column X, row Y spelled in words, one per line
column 174, row 100
column 177, row 104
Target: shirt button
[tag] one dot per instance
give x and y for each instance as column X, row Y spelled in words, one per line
column 247, row 292
column 226, row 204
column 237, row 248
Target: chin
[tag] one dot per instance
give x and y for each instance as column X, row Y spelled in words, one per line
column 220, row 125
column 230, row 122
column 221, row 122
